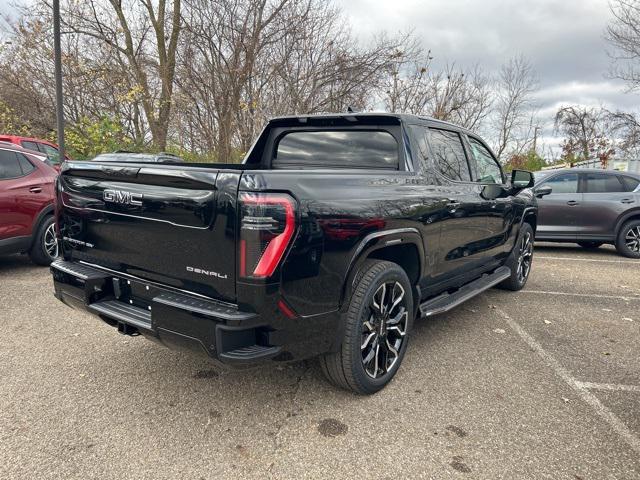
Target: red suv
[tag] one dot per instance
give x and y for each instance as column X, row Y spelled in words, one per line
column 26, row 205
column 37, row 145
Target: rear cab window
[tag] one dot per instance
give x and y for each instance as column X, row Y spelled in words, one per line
column 318, row 149
column 365, row 141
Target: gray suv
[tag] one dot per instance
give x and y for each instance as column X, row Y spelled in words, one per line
column 590, row 207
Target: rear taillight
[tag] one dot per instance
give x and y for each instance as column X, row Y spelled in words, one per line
column 267, row 225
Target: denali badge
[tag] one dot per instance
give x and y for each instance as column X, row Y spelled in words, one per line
column 206, row 272
column 124, row 198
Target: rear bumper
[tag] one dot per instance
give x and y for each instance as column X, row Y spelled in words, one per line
column 188, row 322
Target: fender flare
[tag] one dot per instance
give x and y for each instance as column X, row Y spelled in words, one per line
column 377, row 241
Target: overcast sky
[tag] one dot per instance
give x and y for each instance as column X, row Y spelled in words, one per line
column 562, row 38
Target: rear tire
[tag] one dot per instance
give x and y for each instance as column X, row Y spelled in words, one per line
column 590, row 245
column 378, row 320
column 628, row 240
column 520, row 260
column 45, row 245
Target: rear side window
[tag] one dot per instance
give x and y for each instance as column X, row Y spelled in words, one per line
column 25, row 165
column 51, row 152
column 449, row 155
column 9, row 165
column 337, row 149
column 30, row 146
column 630, row 183
column 487, row 169
column 599, row 183
column 566, row 183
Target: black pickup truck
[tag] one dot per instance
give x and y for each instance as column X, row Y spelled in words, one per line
column 335, row 233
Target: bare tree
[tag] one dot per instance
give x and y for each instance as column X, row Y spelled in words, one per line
column 587, row 133
column 414, row 86
column 406, row 88
column 623, row 33
column 462, row 97
column 625, row 127
column 144, row 35
column 516, row 85
column 245, row 61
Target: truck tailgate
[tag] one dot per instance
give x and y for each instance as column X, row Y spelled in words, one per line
column 173, row 225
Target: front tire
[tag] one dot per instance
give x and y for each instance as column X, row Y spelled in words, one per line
column 378, row 320
column 45, row 246
column 520, row 260
column 628, row 240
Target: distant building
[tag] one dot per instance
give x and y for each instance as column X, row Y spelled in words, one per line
column 632, row 165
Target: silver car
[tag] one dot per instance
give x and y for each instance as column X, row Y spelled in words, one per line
column 590, row 207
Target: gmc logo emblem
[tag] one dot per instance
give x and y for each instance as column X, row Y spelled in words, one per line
column 121, row 197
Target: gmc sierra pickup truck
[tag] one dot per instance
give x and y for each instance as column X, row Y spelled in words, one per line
column 333, row 235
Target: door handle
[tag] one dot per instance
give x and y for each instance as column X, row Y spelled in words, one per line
column 35, row 189
column 453, row 204
column 627, row 200
column 572, row 203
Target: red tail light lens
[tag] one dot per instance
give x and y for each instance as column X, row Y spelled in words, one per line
column 267, row 225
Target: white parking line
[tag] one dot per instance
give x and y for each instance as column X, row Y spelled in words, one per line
column 590, row 295
column 589, row 398
column 609, row 386
column 596, row 260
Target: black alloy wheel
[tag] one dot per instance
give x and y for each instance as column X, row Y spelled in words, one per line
column 385, row 329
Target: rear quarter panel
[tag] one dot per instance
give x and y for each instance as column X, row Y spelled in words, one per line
column 336, row 212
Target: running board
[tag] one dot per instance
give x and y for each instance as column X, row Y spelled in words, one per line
column 447, row 301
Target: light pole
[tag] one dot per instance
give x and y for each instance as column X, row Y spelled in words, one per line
column 58, row 74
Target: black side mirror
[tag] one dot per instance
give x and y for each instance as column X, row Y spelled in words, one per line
column 542, row 191
column 521, row 179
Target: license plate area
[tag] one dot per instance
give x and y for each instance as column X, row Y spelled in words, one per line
column 136, row 293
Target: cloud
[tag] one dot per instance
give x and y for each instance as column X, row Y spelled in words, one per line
column 564, row 40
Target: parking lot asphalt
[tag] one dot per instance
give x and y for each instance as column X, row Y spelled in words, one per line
column 543, row 383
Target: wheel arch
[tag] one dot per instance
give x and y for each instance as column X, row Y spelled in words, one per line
column 625, row 217
column 402, row 246
column 42, row 216
column 530, row 216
